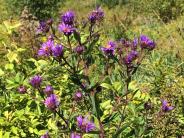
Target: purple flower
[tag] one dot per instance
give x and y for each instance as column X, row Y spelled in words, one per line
column 166, row 107
column 68, row 17
column 78, row 96
column 46, row 47
column 146, row 42
column 36, row 81
column 66, row 29
column 109, row 49
column 48, row 90
column 96, row 15
column 130, row 57
column 79, row 49
column 51, row 102
column 22, row 89
column 75, row 135
column 84, row 124
column 43, row 27
column 57, row 51
column 46, row 135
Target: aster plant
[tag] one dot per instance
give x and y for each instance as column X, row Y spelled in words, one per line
column 75, row 49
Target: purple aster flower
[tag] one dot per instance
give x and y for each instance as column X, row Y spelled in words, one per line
column 46, row 135
column 36, row 81
column 96, row 15
column 109, row 49
column 166, row 107
column 66, row 29
column 45, row 49
column 84, row 124
column 146, row 42
column 51, row 102
column 22, row 89
column 79, row 49
column 48, row 90
column 135, row 43
column 57, row 51
column 130, row 57
column 68, row 17
column 75, row 135
column 43, row 27
column 78, row 96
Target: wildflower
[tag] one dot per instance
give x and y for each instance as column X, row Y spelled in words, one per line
column 84, row 124
column 130, row 57
column 36, row 81
column 79, row 49
column 166, row 107
column 43, row 27
column 66, row 29
column 96, row 15
column 48, row 90
column 146, row 42
column 51, row 102
column 68, row 18
column 78, row 96
column 75, row 135
column 50, row 21
column 57, row 51
column 46, row 47
column 22, row 89
column 46, row 135
column 109, row 49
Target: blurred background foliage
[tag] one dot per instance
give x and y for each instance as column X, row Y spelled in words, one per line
column 160, row 76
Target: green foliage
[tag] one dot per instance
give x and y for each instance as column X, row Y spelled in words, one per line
column 42, row 9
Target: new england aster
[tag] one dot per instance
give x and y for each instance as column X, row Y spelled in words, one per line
column 57, row 51
column 66, row 29
column 130, row 57
column 146, row 43
column 166, row 107
column 96, row 15
column 36, row 81
column 109, row 49
column 68, row 18
column 46, row 135
column 48, row 90
column 84, row 124
column 51, row 102
column 46, row 48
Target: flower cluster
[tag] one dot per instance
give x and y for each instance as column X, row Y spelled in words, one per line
column 67, row 23
column 44, row 26
column 109, row 49
column 84, row 124
column 49, row 48
column 96, row 15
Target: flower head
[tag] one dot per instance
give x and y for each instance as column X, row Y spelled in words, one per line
column 36, row 81
column 46, row 47
column 48, row 90
column 66, row 29
column 22, row 89
column 79, row 49
column 68, row 18
column 78, row 96
column 57, row 51
column 51, row 102
column 146, row 42
column 75, row 135
column 166, row 107
column 109, row 49
column 43, row 27
column 96, row 15
column 130, row 57
column 84, row 124
column 46, row 135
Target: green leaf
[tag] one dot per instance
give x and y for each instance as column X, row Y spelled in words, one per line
column 9, row 66
column 1, row 72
